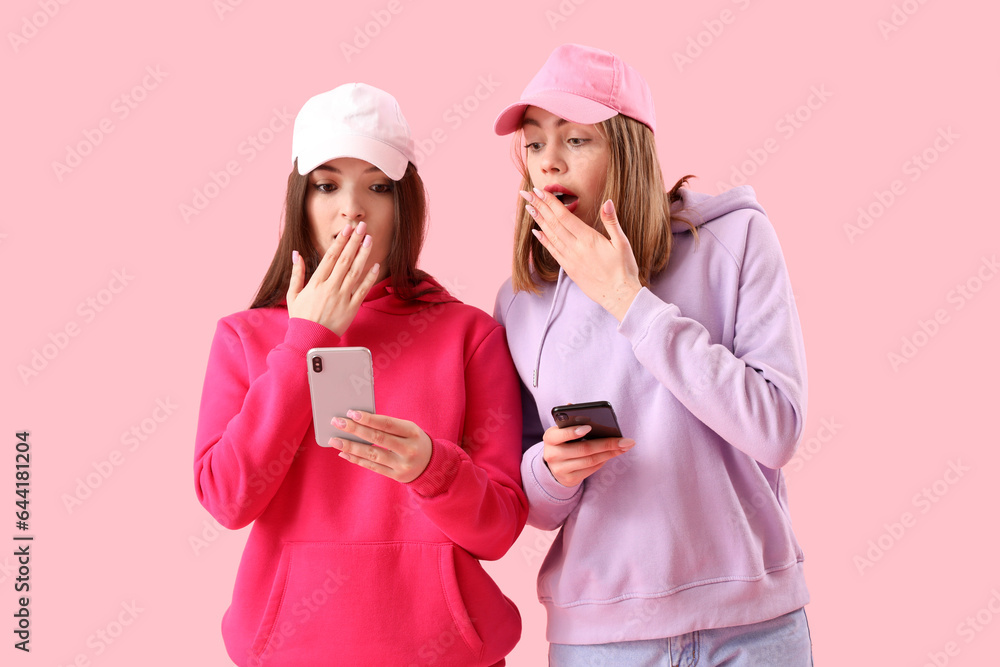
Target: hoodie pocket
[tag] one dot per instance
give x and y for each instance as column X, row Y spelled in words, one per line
column 382, row 603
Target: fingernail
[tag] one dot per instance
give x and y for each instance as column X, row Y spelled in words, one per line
column 346, row 231
column 375, row 268
column 609, row 208
column 367, row 242
column 338, row 422
column 540, row 193
column 295, row 257
column 531, row 210
column 362, row 227
column 525, row 195
column 582, row 430
column 336, row 443
column 354, row 414
column 626, row 444
column 538, row 234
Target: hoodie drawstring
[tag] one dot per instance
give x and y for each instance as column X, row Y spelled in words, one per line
column 545, row 330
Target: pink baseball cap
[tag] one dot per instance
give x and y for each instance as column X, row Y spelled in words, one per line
column 583, row 85
column 353, row 120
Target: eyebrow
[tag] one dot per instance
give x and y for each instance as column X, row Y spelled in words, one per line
column 337, row 171
column 535, row 123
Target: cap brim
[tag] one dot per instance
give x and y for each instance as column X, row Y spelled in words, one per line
column 572, row 107
column 392, row 163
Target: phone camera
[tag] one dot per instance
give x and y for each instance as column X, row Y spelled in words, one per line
column 317, row 364
column 561, row 416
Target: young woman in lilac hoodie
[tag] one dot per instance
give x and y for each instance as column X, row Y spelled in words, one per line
column 675, row 544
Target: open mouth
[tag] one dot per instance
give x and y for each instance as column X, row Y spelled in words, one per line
column 566, row 198
column 564, row 195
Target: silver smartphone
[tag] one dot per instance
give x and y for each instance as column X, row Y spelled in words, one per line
column 340, row 379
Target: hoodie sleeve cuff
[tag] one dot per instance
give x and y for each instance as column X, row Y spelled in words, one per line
column 440, row 472
column 303, row 335
column 538, row 475
column 645, row 309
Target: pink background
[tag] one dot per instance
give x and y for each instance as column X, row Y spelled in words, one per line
column 889, row 432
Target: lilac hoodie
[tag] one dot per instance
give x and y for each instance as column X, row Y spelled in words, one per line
column 690, row 529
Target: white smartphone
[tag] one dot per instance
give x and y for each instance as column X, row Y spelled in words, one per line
column 340, row 379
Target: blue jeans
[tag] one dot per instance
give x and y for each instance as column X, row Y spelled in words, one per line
column 779, row 642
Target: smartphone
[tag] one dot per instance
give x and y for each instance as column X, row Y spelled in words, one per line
column 340, row 379
column 599, row 415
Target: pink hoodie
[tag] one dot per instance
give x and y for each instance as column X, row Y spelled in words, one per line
column 690, row 529
column 345, row 566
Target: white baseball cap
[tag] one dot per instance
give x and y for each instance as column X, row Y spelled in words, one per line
column 353, row 120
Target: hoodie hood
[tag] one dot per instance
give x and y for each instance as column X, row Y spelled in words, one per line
column 382, row 297
column 699, row 208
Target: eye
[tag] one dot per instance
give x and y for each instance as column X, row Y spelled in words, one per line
column 576, row 141
column 533, row 146
column 382, row 188
column 325, row 187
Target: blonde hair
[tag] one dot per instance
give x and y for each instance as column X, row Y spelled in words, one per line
column 634, row 183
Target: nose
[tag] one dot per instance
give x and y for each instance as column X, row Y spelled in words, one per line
column 352, row 207
column 551, row 161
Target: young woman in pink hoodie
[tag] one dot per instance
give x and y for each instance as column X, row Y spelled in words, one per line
column 362, row 554
column 675, row 545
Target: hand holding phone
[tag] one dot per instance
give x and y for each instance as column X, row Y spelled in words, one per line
column 572, row 457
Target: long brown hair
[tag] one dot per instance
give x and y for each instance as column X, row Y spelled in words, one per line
column 634, row 183
column 410, row 223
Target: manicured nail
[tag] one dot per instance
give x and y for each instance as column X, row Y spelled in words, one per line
column 526, row 196
column 375, row 268
column 336, row 443
column 362, row 228
column 354, row 414
column 531, row 210
column 540, row 193
column 582, row 430
column 538, row 234
column 344, row 456
column 338, row 422
column 609, row 208
column 346, row 231
column 626, row 444
column 367, row 242
column 295, row 257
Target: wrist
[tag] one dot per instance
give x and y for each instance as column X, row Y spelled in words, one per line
column 622, row 298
